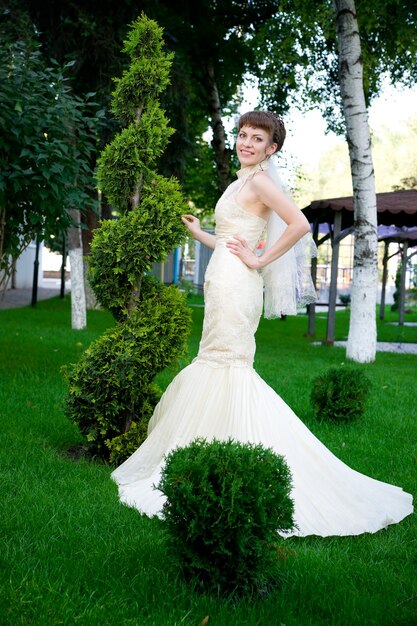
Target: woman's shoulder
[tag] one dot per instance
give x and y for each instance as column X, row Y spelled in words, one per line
column 261, row 180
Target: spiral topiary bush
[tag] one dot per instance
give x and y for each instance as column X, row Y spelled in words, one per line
column 226, row 501
column 340, row 394
column 111, row 391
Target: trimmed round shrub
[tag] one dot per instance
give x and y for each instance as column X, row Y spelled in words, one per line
column 340, row 394
column 226, row 502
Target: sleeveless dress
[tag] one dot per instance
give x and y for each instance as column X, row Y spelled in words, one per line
column 219, row 395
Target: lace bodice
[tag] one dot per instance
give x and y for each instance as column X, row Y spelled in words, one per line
column 233, row 292
column 231, row 218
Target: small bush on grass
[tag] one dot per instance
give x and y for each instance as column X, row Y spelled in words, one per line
column 225, row 503
column 340, row 394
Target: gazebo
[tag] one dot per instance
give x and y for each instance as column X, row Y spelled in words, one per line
column 395, row 208
column 408, row 238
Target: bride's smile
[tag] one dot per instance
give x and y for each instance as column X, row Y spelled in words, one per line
column 253, row 145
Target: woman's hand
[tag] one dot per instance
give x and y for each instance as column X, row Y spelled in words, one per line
column 240, row 248
column 192, row 223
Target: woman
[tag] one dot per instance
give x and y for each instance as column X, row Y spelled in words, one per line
column 219, row 395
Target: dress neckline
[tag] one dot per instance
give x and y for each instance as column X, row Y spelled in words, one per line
column 247, row 171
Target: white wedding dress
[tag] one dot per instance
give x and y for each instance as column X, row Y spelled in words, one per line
column 219, row 395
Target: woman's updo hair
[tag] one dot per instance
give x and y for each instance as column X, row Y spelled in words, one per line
column 269, row 122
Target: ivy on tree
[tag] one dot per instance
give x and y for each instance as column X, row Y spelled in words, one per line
column 111, row 390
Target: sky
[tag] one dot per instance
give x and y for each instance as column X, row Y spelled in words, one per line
column 306, row 132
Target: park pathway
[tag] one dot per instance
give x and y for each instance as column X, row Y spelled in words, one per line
column 16, row 298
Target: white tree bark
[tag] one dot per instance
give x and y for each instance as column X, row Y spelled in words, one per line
column 75, row 253
column 90, row 298
column 361, row 344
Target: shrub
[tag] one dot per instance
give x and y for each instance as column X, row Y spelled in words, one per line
column 111, row 386
column 225, row 503
column 340, row 394
column 122, row 446
column 111, row 393
column 122, row 250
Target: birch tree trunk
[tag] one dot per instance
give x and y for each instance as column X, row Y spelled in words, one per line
column 75, row 253
column 90, row 298
column 90, row 221
column 361, row 344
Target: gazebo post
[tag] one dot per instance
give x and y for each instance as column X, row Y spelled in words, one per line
column 331, row 317
column 384, row 280
column 402, row 283
column 312, row 307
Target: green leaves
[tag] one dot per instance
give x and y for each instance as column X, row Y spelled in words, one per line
column 132, row 153
column 111, row 395
column 340, row 394
column 226, row 501
column 111, row 386
column 145, row 80
column 48, row 141
column 122, row 250
column 144, row 38
column 296, row 56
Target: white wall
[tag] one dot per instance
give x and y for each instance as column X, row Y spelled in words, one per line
column 24, row 267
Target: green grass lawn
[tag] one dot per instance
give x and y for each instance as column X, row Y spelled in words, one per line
column 71, row 554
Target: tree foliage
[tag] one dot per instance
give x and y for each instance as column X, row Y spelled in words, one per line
column 297, row 52
column 111, row 393
column 214, row 47
column 47, row 136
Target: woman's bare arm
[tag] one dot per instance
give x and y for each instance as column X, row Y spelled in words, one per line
column 269, row 195
column 193, row 225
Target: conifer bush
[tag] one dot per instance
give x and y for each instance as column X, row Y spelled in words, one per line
column 226, row 502
column 340, row 394
column 111, row 391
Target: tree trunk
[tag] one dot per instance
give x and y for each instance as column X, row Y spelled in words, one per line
column 361, row 344
column 4, row 276
column 75, row 253
column 221, row 151
column 91, row 221
column 90, row 298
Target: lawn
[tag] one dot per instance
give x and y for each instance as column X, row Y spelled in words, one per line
column 71, row 554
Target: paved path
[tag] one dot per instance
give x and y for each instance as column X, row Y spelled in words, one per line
column 14, row 298
column 385, row 346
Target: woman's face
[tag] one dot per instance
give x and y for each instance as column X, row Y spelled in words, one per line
column 253, row 145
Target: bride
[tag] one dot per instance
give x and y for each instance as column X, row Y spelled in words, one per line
column 219, row 395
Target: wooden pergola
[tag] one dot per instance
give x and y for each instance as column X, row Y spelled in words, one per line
column 395, row 208
column 406, row 238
